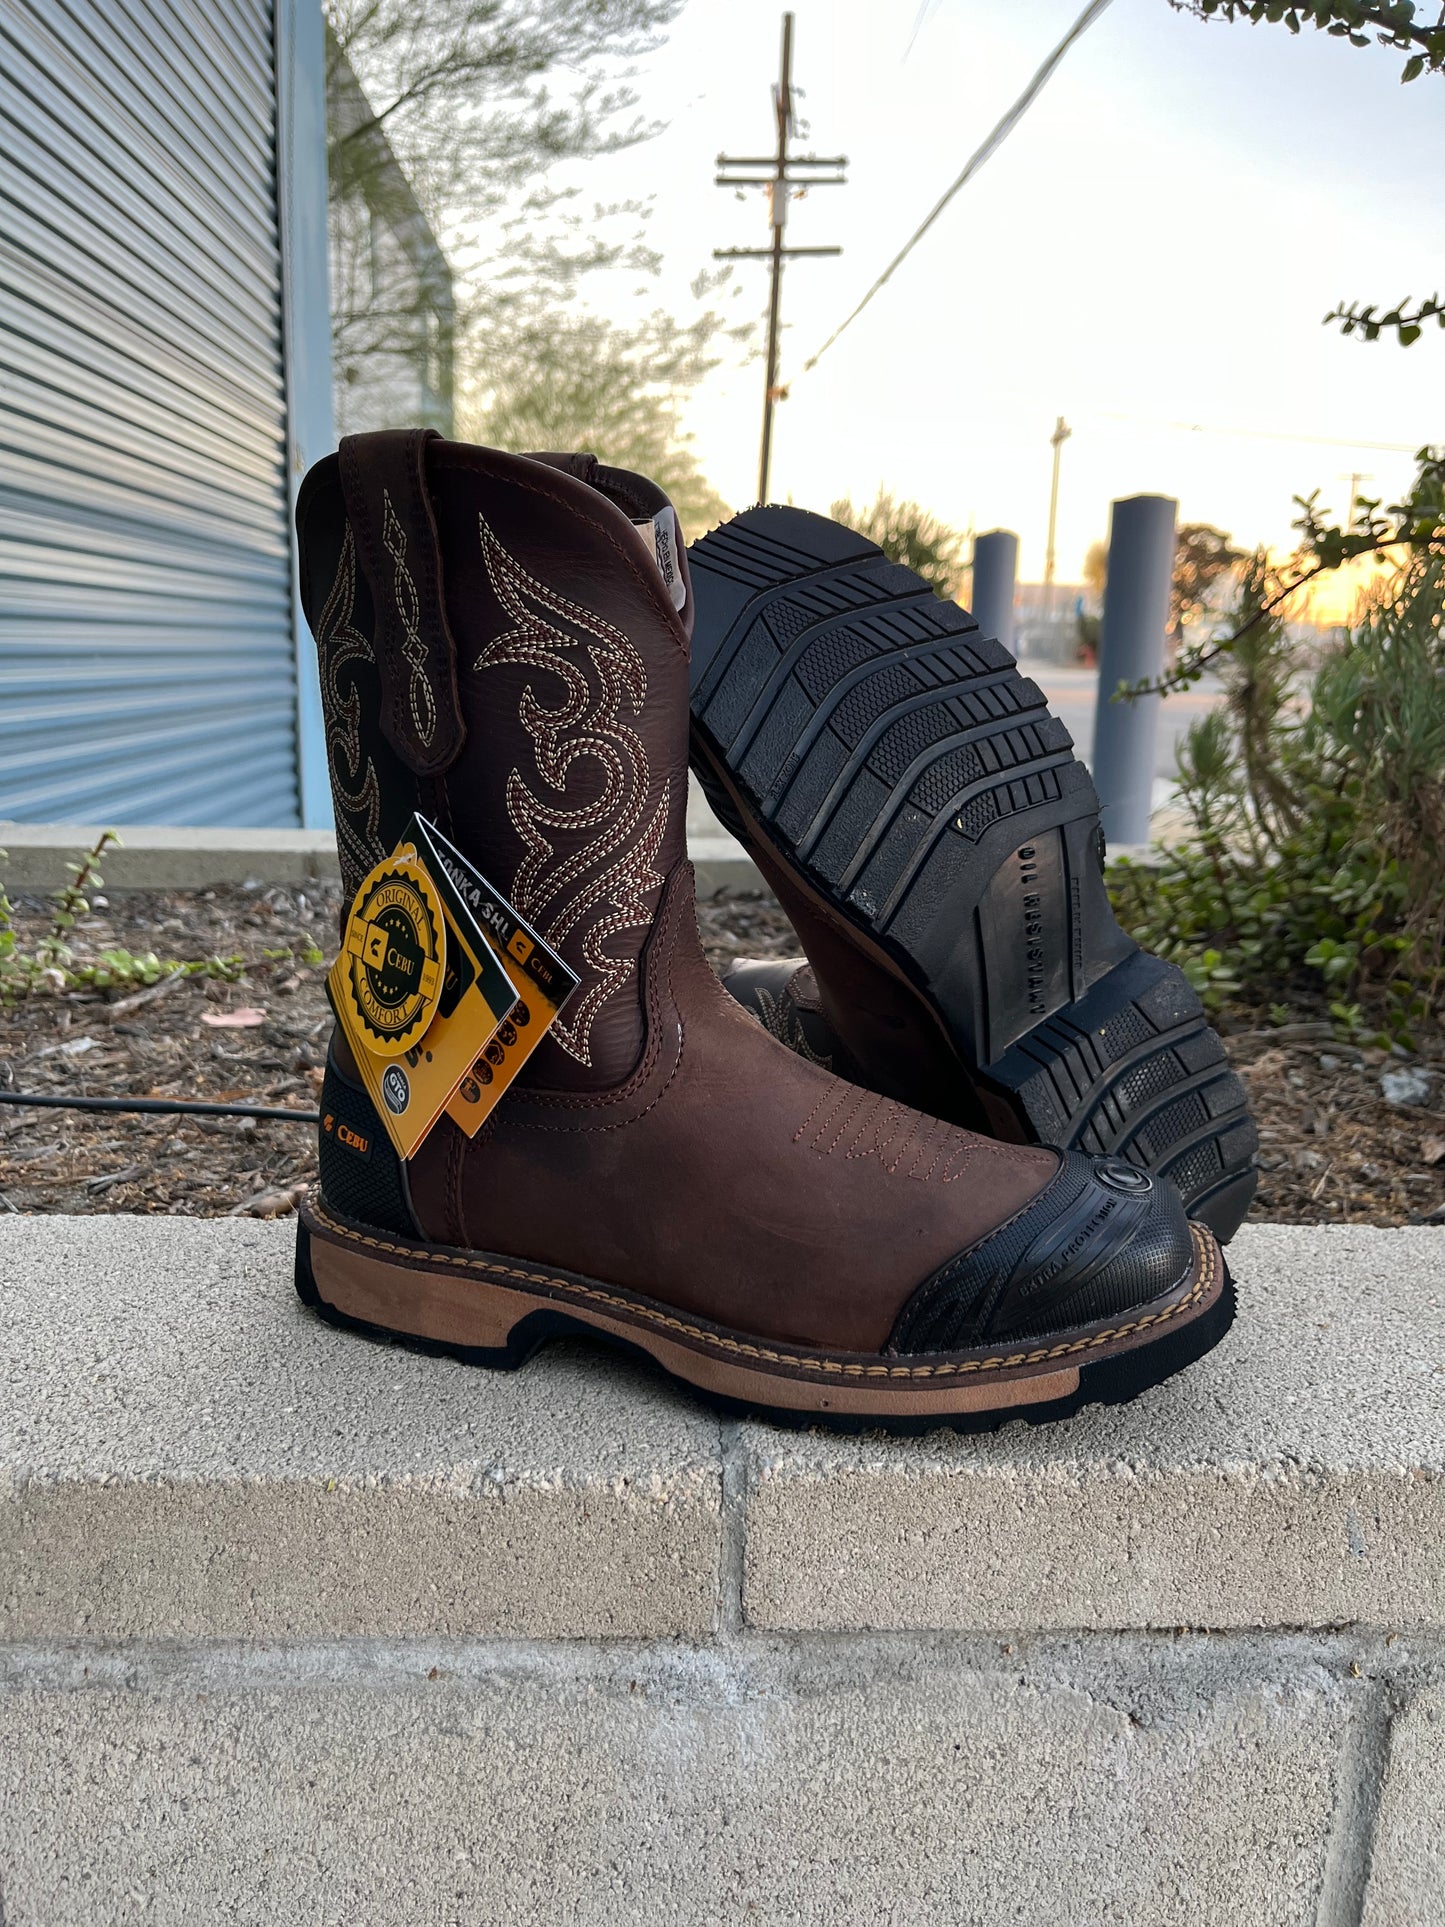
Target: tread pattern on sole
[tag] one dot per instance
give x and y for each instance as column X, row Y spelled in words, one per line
column 902, row 761
column 1135, row 1070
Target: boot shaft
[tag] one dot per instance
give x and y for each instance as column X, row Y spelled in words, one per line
column 498, row 651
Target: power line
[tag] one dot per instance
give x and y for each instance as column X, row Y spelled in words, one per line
column 1249, row 434
column 976, row 160
column 924, row 9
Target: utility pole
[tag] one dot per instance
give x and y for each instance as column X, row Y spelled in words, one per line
column 1354, row 480
column 1061, row 434
column 787, row 171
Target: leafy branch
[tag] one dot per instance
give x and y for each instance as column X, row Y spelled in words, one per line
column 1394, row 23
column 1416, row 525
column 1407, row 323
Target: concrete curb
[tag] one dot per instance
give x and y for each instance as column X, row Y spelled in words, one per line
column 162, row 857
column 276, row 1604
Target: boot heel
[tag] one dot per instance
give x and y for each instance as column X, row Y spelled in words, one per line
column 1134, row 1069
column 913, row 799
column 368, row 1286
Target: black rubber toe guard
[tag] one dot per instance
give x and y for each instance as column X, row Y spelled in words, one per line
column 1101, row 1238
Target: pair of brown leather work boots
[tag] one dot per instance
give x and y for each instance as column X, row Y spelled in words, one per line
column 504, row 648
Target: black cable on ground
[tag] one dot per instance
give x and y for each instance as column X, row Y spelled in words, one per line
column 165, row 1105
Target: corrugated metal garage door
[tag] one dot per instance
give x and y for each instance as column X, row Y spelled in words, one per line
column 147, row 672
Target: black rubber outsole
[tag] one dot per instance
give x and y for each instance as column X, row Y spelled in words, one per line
column 1113, row 1381
column 899, row 763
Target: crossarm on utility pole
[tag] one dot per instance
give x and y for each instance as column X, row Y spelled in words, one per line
column 786, row 171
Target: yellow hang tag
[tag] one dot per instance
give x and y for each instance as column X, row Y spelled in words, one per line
column 415, row 1027
column 394, row 957
column 540, row 979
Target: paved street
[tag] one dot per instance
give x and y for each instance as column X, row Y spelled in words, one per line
column 1072, row 694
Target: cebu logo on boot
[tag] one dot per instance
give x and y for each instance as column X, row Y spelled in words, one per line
column 396, row 956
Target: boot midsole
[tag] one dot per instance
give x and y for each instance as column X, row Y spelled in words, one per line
column 483, row 1303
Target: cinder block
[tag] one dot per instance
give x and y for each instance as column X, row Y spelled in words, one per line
column 662, row 1791
column 1407, row 1872
column 1294, row 1478
column 184, row 1451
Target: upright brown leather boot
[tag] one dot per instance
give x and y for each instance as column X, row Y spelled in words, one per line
column 500, row 652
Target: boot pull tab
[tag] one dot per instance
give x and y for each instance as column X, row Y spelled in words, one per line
column 383, row 478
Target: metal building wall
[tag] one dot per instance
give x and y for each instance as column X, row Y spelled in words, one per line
column 147, row 649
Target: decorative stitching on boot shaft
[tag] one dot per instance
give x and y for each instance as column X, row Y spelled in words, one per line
column 408, row 608
column 338, row 642
column 622, row 832
column 1206, row 1251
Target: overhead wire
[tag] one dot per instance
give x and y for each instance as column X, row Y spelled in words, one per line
column 991, row 145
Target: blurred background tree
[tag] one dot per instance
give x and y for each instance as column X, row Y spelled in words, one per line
column 460, row 267
column 1204, row 560
column 909, row 534
column 477, row 99
column 567, row 379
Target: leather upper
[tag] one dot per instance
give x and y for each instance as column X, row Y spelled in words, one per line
column 659, row 1138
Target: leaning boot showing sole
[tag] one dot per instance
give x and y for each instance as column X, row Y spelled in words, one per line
column 500, row 652
column 936, row 843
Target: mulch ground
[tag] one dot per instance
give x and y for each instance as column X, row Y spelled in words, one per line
column 1334, row 1148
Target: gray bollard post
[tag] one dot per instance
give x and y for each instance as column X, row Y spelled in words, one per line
column 1131, row 647
column 995, row 570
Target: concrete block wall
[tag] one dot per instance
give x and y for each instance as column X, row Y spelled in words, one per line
column 295, row 1628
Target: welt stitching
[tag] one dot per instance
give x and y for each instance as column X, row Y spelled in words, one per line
column 830, row 1367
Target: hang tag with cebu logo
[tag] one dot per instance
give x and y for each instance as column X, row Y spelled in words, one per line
column 417, row 989
column 393, row 961
column 541, row 980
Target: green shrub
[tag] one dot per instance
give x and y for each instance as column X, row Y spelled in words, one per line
column 1315, row 795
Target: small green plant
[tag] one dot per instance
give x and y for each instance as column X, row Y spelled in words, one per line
column 309, row 954
column 51, row 968
column 1315, row 797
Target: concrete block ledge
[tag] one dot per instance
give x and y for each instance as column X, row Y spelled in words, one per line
column 184, row 1451
column 296, row 1628
column 1295, row 1477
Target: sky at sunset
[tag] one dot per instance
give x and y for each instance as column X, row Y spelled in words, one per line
column 1150, row 255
